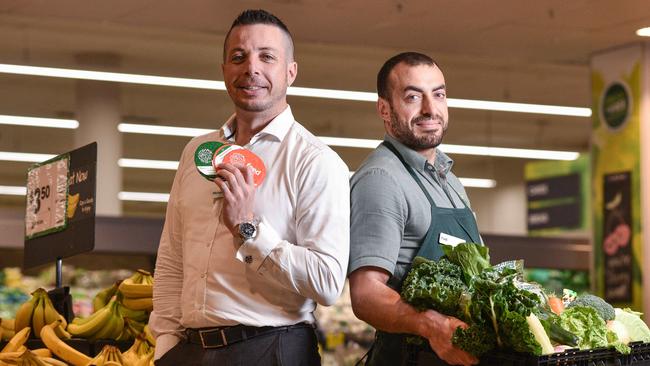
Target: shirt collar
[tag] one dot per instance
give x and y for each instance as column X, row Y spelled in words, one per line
column 442, row 163
column 278, row 127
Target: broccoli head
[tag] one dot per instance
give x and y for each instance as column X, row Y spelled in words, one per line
column 605, row 310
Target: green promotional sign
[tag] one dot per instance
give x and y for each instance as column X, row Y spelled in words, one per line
column 615, row 106
column 616, row 176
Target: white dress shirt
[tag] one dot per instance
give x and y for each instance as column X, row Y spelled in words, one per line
column 205, row 277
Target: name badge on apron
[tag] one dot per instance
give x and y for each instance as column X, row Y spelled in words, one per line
column 447, row 239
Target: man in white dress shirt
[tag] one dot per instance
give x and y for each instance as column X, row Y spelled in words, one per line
column 241, row 268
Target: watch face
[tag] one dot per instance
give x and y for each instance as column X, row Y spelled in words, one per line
column 247, row 230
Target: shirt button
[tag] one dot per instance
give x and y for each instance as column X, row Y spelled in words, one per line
column 208, row 245
column 202, row 275
column 248, row 259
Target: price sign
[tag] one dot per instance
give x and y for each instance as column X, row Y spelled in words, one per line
column 47, row 197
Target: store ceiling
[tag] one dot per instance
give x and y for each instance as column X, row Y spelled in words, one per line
column 564, row 32
column 511, row 50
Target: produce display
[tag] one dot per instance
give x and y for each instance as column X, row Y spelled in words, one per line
column 504, row 312
column 120, row 313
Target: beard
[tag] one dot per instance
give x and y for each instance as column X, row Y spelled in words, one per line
column 407, row 136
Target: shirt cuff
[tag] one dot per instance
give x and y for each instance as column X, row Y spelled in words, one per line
column 254, row 251
column 164, row 343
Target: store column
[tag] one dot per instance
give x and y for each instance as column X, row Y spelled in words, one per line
column 620, row 149
column 99, row 112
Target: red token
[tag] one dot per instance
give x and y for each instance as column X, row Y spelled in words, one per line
column 237, row 155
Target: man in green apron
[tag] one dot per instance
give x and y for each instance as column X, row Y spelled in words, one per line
column 405, row 201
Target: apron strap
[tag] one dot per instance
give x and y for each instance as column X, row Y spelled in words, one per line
column 392, row 148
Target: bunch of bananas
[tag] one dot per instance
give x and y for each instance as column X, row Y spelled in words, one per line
column 137, row 291
column 109, row 356
column 15, row 353
column 7, row 329
column 106, row 323
column 38, row 311
column 139, row 350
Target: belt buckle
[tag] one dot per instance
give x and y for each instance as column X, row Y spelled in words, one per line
column 223, row 338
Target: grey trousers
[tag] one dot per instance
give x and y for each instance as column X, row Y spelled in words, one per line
column 290, row 347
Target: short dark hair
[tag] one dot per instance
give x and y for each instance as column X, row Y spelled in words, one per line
column 409, row 58
column 258, row 16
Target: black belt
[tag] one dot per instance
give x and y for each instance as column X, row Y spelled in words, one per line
column 224, row 336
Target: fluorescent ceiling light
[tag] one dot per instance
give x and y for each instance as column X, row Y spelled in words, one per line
column 24, row 157
column 643, row 32
column 478, row 182
column 38, row 122
column 148, row 164
column 509, row 153
column 112, row 76
column 350, row 142
column 13, row 190
column 295, row 91
column 161, row 130
column 519, row 107
column 143, row 196
column 371, row 143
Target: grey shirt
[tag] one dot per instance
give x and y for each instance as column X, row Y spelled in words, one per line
column 389, row 213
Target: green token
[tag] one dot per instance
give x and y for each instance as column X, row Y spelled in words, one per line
column 203, row 159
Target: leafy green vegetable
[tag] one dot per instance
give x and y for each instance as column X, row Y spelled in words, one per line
column 636, row 327
column 434, row 285
column 476, row 339
column 587, row 324
column 605, row 310
column 472, row 258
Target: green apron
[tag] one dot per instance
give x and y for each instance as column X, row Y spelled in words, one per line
column 392, row 349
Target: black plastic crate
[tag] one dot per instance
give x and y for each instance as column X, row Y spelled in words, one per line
column 640, row 356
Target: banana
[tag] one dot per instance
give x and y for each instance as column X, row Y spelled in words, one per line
column 17, row 340
column 104, row 296
column 61, row 349
column 53, row 362
column 24, row 314
column 146, row 361
column 38, row 318
column 145, row 303
column 92, row 325
column 8, row 324
column 149, row 336
column 106, row 355
column 131, row 355
column 10, row 356
column 138, row 315
column 64, row 323
column 42, row 352
column 49, row 312
column 61, row 332
column 111, row 330
column 138, row 285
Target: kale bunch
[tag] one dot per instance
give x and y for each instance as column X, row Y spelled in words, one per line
column 493, row 300
column 496, row 308
column 434, row 285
